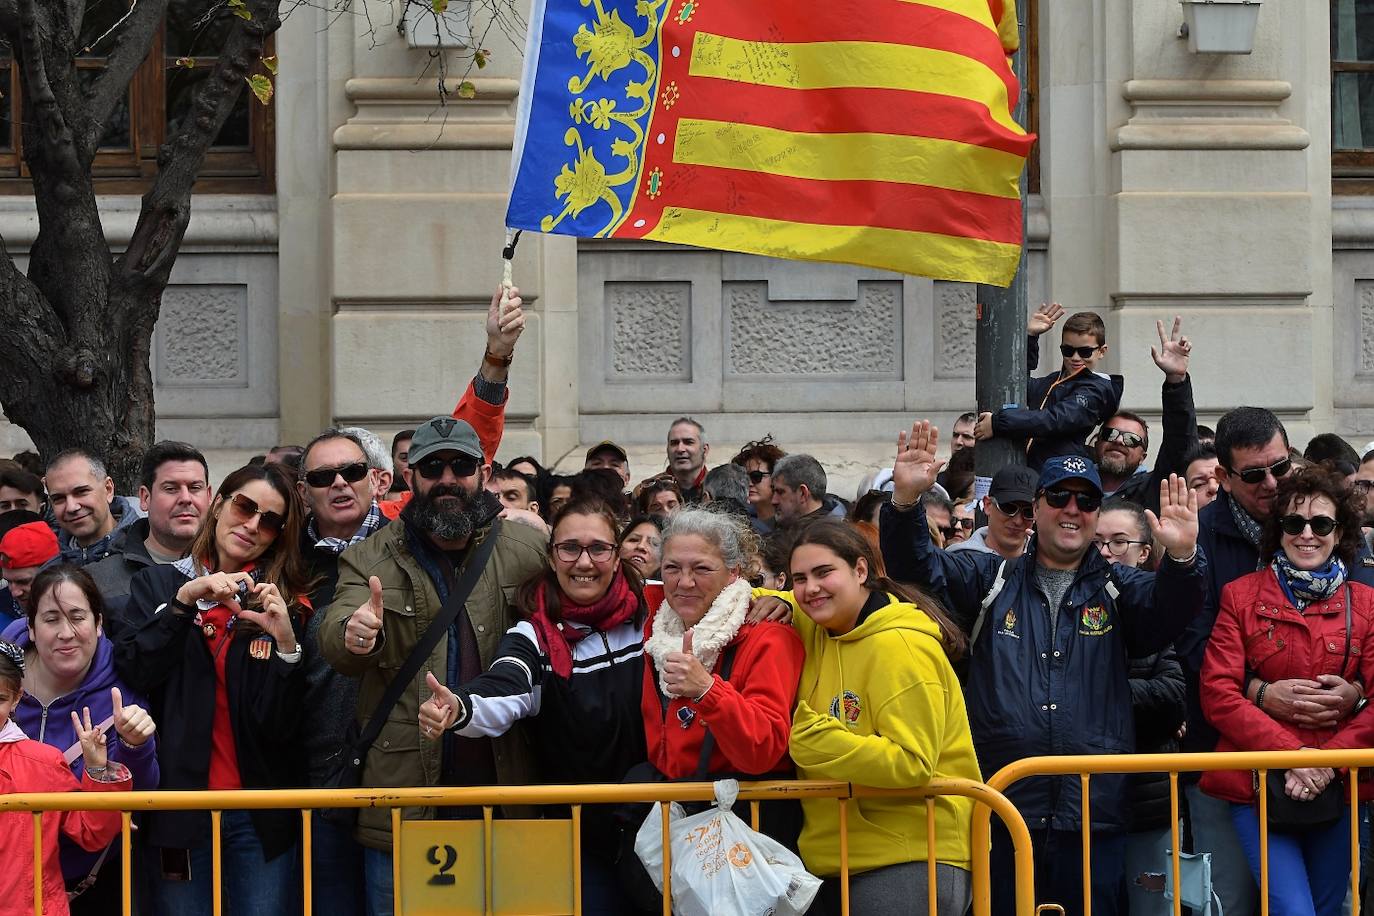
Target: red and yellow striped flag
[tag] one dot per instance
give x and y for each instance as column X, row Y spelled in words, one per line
column 873, row 132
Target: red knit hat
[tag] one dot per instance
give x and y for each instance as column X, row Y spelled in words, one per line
column 28, row 545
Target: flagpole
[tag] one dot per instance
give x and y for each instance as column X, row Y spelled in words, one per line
column 1001, row 322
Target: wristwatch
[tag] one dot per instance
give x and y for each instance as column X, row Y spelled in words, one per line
column 493, row 359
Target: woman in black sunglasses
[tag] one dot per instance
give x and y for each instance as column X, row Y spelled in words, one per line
column 212, row 641
column 1300, row 627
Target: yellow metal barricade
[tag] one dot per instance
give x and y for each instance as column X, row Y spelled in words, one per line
column 1085, row 767
column 496, row 867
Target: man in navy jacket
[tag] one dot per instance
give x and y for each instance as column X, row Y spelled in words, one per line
column 1048, row 672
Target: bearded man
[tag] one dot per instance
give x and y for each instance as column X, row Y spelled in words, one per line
column 391, row 587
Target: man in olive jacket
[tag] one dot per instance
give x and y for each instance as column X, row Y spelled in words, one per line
column 390, row 588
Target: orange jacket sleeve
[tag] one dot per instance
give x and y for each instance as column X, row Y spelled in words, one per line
column 487, row 420
column 1243, row 723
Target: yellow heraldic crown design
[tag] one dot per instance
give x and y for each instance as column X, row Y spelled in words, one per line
column 609, row 46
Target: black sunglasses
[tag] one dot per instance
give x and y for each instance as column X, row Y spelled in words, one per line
column 1128, row 439
column 756, row 477
column 1253, row 476
column 1025, row 510
column 1322, row 525
column 324, row 477
column 1083, row 352
column 246, row 507
column 1058, row 499
column 433, row 468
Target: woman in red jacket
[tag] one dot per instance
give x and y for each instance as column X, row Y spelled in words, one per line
column 1299, row 619
column 31, row 766
column 710, row 674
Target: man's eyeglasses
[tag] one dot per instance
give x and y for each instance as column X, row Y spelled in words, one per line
column 1117, row 547
column 324, row 477
column 245, row 507
column 1025, row 510
column 1083, row 352
column 965, row 523
column 757, row 477
column 571, row 551
column 1278, row 469
column 1058, row 499
column 1293, row 525
column 1128, row 439
column 433, row 468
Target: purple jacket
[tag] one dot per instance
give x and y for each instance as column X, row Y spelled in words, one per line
column 53, row 726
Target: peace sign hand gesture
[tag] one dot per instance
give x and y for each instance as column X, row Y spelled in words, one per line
column 92, row 740
column 1175, row 527
column 915, row 468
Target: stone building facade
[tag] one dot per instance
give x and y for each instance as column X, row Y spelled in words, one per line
column 1167, row 182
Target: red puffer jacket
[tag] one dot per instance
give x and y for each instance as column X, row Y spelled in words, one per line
column 1259, row 630
column 31, row 766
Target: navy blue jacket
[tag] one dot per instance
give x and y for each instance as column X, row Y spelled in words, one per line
column 1229, row 557
column 1030, row 693
column 1180, row 436
column 1060, row 413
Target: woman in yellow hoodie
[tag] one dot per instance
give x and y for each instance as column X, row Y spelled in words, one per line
column 878, row 705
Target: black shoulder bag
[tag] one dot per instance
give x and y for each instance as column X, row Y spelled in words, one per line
column 346, row 771
column 1291, row 815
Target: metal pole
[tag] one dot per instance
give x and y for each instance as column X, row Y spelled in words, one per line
column 1001, row 323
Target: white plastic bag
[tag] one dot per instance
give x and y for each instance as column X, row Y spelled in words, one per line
column 720, row 865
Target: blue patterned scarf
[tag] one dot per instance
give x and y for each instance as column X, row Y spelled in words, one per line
column 1304, row 586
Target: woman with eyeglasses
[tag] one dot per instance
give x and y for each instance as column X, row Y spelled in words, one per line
column 212, row 641
column 718, row 690
column 1299, row 619
column 1123, row 535
column 574, row 668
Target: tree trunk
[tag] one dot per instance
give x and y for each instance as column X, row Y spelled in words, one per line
column 74, row 360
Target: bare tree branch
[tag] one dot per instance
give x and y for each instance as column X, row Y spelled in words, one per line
column 132, row 40
column 59, row 145
column 147, row 262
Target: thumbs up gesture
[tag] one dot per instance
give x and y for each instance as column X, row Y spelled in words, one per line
column 683, row 673
column 440, row 711
column 360, row 633
column 132, row 723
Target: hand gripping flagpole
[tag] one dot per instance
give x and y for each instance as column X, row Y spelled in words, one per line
column 507, row 271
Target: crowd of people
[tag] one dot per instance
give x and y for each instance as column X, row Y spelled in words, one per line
column 343, row 613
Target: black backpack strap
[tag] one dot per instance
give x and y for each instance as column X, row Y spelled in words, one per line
column 708, row 744
column 457, row 597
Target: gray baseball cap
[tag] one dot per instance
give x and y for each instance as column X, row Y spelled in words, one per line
column 444, row 434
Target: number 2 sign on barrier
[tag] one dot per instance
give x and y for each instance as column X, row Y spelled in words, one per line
column 443, row 868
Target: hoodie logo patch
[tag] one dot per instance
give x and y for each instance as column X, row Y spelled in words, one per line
column 851, row 710
column 1094, row 621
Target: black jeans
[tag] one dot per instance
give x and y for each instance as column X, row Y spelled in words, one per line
column 1059, row 871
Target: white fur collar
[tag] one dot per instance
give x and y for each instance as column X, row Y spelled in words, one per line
column 711, row 634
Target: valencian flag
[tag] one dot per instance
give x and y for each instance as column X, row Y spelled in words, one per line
column 873, row 132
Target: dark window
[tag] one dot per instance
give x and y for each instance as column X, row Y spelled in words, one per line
column 183, row 53
column 1352, row 96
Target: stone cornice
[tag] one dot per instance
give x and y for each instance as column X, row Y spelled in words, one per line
column 401, row 113
column 1208, row 115
column 218, row 222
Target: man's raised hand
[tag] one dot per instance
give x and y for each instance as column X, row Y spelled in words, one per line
column 915, row 468
column 505, row 325
column 1175, row 527
column 360, row 632
column 1171, row 356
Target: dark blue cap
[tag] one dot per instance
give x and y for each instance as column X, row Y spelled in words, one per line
column 1060, row 468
